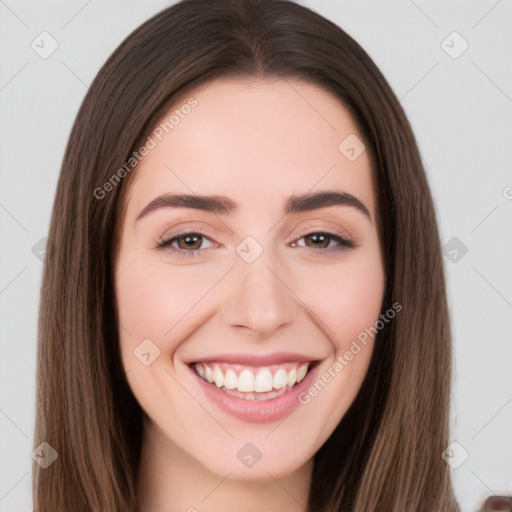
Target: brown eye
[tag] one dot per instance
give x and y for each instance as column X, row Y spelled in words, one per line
column 318, row 240
column 185, row 244
column 189, row 241
column 324, row 242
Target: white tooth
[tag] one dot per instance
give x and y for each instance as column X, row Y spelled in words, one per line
column 230, row 380
column 208, row 373
column 301, row 372
column 246, row 381
column 263, row 381
column 292, row 377
column 280, row 379
column 218, row 377
column 200, row 370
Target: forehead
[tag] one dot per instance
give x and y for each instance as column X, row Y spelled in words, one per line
column 252, row 139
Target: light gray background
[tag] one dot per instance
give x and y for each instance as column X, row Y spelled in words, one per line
column 461, row 112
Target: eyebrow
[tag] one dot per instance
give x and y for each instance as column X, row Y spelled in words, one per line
column 225, row 206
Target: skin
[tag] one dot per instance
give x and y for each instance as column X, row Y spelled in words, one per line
column 256, row 142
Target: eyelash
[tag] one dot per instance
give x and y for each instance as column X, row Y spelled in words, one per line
column 343, row 243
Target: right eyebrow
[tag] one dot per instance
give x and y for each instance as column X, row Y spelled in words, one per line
column 214, row 204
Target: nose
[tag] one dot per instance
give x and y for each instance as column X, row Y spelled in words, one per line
column 260, row 300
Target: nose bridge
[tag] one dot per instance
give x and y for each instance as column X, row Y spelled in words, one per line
column 258, row 298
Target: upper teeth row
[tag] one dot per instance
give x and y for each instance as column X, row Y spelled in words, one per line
column 247, row 381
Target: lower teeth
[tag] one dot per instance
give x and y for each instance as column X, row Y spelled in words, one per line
column 268, row 395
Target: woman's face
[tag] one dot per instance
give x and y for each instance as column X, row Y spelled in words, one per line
column 243, row 305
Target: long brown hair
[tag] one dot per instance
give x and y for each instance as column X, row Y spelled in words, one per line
column 385, row 454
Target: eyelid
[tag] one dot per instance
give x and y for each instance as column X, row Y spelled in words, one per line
column 331, row 229
column 343, row 241
column 186, row 228
column 164, row 243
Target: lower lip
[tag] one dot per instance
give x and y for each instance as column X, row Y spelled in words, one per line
column 256, row 411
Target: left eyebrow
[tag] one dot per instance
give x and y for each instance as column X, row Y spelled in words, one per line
column 226, row 206
column 315, row 200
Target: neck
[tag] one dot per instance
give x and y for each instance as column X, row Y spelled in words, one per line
column 171, row 480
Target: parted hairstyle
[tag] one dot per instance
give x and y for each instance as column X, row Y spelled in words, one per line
column 385, row 454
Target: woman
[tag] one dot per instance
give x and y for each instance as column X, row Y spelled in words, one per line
column 245, row 307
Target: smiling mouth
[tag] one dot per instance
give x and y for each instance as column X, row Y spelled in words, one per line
column 253, row 383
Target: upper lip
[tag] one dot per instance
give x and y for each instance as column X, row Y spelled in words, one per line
column 256, row 359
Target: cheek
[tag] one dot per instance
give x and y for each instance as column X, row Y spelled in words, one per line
column 149, row 298
column 153, row 303
column 154, row 298
column 346, row 297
